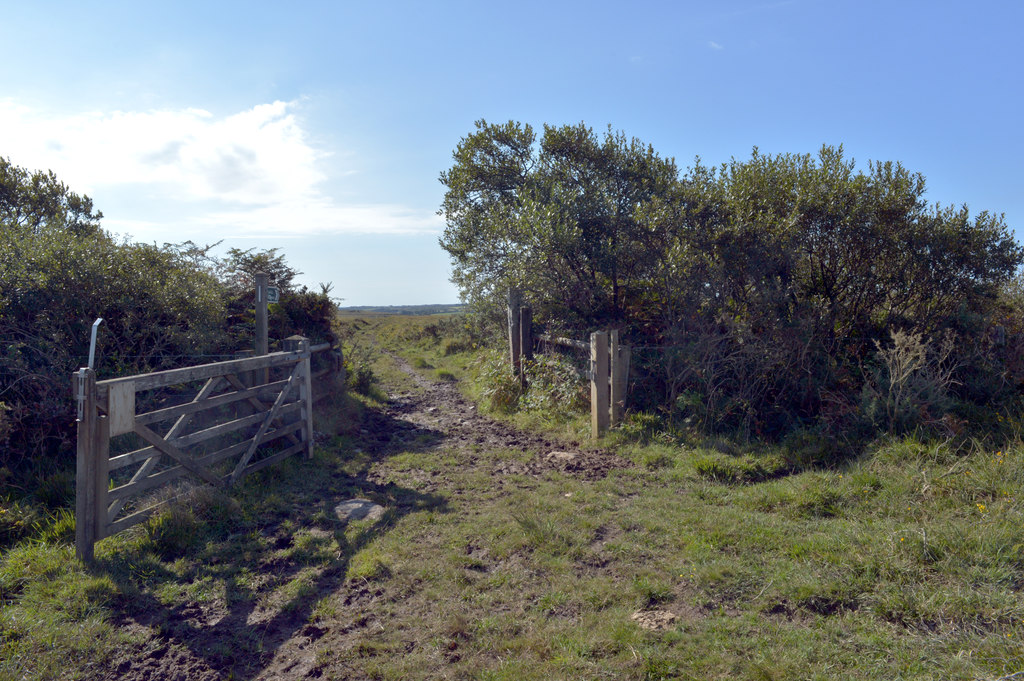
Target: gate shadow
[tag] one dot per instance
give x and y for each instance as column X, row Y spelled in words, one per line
column 231, row 644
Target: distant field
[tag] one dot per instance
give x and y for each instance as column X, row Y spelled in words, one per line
column 390, row 310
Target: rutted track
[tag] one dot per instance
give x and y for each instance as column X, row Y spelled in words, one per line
column 198, row 639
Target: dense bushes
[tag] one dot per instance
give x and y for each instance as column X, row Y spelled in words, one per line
column 778, row 291
column 162, row 306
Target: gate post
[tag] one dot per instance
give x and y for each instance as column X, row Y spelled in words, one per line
column 86, row 464
column 598, row 384
column 514, row 302
column 306, row 395
column 262, row 343
column 619, row 363
column 525, row 341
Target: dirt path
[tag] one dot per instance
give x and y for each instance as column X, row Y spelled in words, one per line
column 263, row 640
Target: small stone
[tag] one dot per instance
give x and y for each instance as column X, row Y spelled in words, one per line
column 357, row 509
column 561, row 457
column 653, row 620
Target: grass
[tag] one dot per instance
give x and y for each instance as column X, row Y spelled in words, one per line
column 905, row 562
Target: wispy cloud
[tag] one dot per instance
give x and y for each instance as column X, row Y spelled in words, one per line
column 715, row 46
column 251, row 172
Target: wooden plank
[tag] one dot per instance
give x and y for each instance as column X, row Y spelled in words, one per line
column 231, row 426
column 168, row 475
column 170, row 450
column 210, row 403
column 599, row 384
column 121, row 408
column 162, row 379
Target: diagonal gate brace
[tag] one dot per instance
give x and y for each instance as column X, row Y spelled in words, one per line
column 170, row 450
column 244, row 461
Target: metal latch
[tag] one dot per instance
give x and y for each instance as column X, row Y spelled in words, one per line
column 81, row 393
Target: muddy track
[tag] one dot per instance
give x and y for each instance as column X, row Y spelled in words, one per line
column 441, row 409
column 200, row 640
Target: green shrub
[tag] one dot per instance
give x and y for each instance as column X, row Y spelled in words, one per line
column 17, row 520
column 739, row 469
column 453, row 347
column 554, row 386
column 909, row 383
column 173, row 531
column 501, row 388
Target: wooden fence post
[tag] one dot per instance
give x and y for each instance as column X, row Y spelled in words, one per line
column 262, row 344
column 306, row 395
column 514, row 300
column 598, row 384
column 85, row 470
column 525, row 340
column 617, row 387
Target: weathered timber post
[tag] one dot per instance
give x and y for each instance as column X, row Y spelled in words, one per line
column 247, row 378
column 625, row 356
column 514, row 341
column 306, row 394
column 301, row 345
column 262, row 344
column 525, row 340
column 617, row 388
column 86, row 464
column 598, row 384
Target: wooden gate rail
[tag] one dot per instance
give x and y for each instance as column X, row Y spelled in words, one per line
column 608, row 374
column 274, row 410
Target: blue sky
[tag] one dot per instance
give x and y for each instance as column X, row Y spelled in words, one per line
column 321, row 127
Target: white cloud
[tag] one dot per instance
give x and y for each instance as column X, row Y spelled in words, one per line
column 252, row 172
column 715, row 46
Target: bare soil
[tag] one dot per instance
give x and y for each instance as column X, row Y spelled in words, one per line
column 250, row 636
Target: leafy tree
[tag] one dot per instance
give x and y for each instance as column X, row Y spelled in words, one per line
column 35, row 200
column 240, row 267
column 558, row 221
column 770, row 282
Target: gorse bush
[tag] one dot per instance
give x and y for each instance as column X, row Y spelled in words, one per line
column 501, row 388
column 910, row 382
column 162, row 307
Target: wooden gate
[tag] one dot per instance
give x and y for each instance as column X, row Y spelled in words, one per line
column 247, row 414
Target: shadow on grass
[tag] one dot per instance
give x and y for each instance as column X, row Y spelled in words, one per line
column 235, row 638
